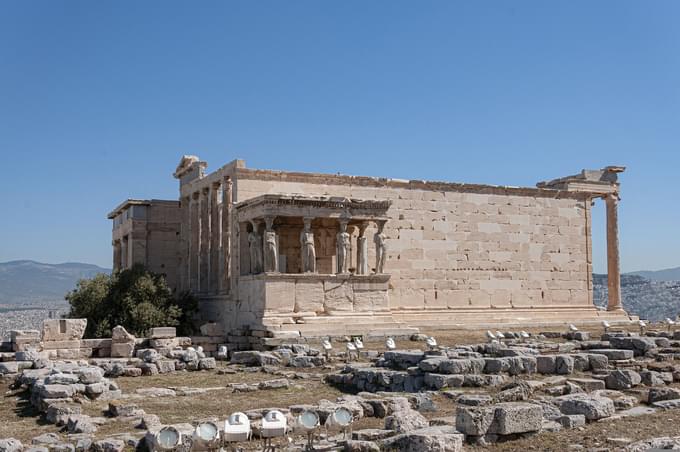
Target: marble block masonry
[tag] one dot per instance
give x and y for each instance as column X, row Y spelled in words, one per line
column 289, row 254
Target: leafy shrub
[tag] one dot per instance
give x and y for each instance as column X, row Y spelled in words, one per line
column 134, row 298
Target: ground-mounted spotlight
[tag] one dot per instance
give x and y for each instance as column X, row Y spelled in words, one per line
column 358, row 343
column 606, row 326
column 274, row 425
column 670, row 323
column 431, row 343
column 237, row 428
column 390, row 344
column 340, row 419
column 206, row 436
column 327, row 347
column 308, row 422
column 167, row 439
column 491, row 337
column 572, row 328
column 351, row 349
column 643, row 325
column 524, row 335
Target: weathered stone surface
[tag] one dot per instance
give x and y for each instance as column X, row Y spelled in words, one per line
column 403, row 359
column 80, row 424
column 545, row 364
column 165, row 366
column 207, row 363
column 10, row 445
column 658, row 394
column 436, row 439
column 10, row 367
column 622, row 379
column 592, row 407
column 614, row 354
column 89, row 375
column 274, row 384
column 462, row 366
column 122, row 350
column 156, row 392
column 661, row 443
column 516, row 417
column 120, row 408
column 108, row 445
column 651, row 378
column 667, row 404
column 59, row 413
column 63, row 329
column 163, row 332
column 564, row 365
column 354, row 445
column 439, row 381
column 56, row 391
column 639, row 345
column 61, row 379
column 254, row 358
column 120, row 335
column 588, row 384
column 474, row 421
column 572, row 420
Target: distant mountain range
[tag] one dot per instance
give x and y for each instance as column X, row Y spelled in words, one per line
column 668, row 274
column 34, row 283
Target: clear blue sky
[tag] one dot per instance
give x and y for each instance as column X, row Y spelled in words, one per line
column 98, row 101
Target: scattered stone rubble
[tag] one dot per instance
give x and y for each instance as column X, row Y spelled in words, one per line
column 503, row 390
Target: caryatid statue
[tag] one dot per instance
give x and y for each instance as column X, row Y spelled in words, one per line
column 362, row 250
column 380, row 240
column 255, row 247
column 271, row 249
column 344, row 248
column 307, row 246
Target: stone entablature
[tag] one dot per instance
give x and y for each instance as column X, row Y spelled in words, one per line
column 443, row 247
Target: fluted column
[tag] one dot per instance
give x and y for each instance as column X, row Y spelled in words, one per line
column 225, row 270
column 215, row 231
column 193, row 242
column 185, row 241
column 613, row 261
column 204, row 241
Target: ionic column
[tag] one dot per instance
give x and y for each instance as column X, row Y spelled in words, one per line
column 204, row 241
column 194, row 232
column 613, row 262
column 185, row 240
column 225, row 279
column 215, row 230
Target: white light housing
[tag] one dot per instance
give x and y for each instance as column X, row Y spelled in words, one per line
column 358, row 343
column 572, row 327
column 341, row 417
column 237, row 428
column 274, row 424
column 326, row 344
column 490, row 336
column 167, row 438
column 605, row 324
column 351, row 347
column 499, row 335
column 206, row 436
column 390, row 344
column 525, row 335
column 308, row 421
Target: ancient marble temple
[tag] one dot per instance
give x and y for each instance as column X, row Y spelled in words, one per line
column 285, row 253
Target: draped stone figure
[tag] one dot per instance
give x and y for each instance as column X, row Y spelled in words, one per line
column 344, row 248
column 255, row 247
column 307, row 246
column 362, row 251
column 380, row 240
column 271, row 252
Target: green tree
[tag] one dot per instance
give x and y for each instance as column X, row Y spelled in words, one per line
column 134, row 298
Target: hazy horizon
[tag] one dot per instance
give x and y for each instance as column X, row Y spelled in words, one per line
column 101, row 100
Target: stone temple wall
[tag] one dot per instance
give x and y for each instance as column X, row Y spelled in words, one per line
column 468, row 247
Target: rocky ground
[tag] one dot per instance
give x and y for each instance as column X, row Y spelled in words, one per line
column 537, row 393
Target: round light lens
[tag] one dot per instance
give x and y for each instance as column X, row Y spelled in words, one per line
column 342, row 417
column 168, row 437
column 309, row 419
column 207, row 431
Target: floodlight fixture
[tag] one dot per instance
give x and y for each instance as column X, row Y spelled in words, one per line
column 167, row 439
column 390, row 344
column 342, row 419
column 274, row 425
column 308, row 422
column 351, row 348
column 572, row 328
column 431, row 342
column 237, row 428
column 206, row 436
column 606, row 326
column 524, row 335
column 358, row 343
